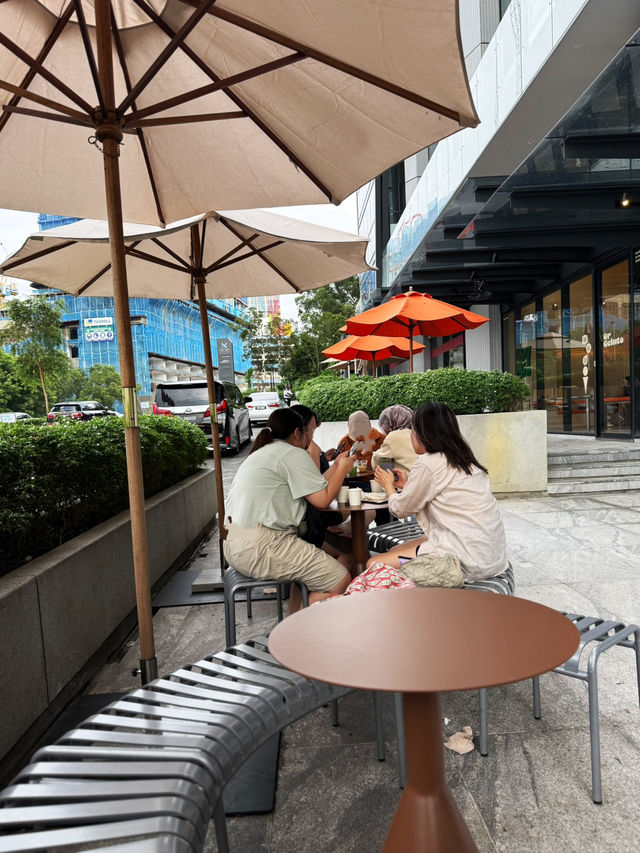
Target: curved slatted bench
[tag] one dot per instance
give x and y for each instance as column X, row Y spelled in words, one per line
column 147, row 773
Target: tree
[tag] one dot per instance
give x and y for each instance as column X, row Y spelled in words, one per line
column 34, row 337
column 322, row 312
column 103, row 384
column 15, row 396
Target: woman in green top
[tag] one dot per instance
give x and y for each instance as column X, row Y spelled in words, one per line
column 267, row 503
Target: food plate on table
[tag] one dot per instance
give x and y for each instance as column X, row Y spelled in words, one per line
column 374, row 498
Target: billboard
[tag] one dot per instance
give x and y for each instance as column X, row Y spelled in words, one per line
column 97, row 329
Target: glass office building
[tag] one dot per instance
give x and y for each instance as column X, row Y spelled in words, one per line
column 533, row 218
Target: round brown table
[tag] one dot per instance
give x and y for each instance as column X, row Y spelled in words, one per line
column 423, row 642
column 359, row 549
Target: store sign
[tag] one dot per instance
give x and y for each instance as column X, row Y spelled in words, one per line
column 98, row 329
column 226, row 372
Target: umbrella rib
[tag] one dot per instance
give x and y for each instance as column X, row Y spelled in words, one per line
column 21, row 92
column 218, row 265
column 89, row 50
column 202, row 65
column 49, row 116
column 31, row 73
column 174, row 255
column 260, row 254
column 175, row 42
column 49, row 250
column 284, row 41
column 139, row 133
column 190, row 119
column 144, row 256
column 223, row 83
column 229, row 253
column 37, row 67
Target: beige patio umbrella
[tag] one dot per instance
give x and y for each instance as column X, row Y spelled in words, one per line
column 214, row 255
column 235, row 103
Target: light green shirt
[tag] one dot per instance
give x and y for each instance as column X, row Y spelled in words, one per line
column 270, row 486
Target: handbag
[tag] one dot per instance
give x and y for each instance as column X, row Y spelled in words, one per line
column 433, row 570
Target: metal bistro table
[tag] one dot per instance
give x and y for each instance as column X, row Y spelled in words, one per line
column 359, row 549
column 423, row 642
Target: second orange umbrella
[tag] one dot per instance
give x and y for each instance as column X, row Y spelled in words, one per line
column 414, row 313
column 371, row 348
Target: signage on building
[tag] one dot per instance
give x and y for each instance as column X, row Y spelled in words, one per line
column 226, row 372
column 98, row 329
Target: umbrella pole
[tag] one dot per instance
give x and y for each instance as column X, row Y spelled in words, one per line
column 109, row 134
column 213, row 412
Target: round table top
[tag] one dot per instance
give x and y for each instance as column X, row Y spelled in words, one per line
column 424, row 640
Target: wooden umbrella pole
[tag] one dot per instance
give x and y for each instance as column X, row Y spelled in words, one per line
column 213, row 410
column 109, row 134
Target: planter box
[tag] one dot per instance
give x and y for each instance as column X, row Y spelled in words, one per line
column 512, row 445
column 58, row 610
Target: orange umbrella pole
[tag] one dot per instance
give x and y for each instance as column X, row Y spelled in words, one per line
column 109, row 134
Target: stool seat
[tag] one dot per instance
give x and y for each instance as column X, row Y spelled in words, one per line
column 605, row 634
column 235, row 581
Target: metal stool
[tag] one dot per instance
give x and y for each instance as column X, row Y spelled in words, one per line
column 605, row 635
column 235, row 581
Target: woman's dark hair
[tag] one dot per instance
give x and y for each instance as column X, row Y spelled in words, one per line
column 437, row 428
column 281, row 424
column 305, row 413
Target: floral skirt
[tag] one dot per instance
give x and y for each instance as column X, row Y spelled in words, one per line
column 379, row 576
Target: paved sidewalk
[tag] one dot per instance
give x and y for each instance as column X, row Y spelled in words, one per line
column 532, row 793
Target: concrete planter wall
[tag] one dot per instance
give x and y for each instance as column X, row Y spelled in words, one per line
column 57, row 611
column 512, row 445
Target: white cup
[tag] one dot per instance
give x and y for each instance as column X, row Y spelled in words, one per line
column 376, row 486
column 355, row 497
column 343, row 495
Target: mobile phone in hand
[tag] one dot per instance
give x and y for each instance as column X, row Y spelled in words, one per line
column 340, row 447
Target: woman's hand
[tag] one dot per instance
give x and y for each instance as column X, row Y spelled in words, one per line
column 344, row 462
column 386, row 480
column 330, row 454
column 401, row 478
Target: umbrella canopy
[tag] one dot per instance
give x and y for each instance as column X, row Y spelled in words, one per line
column 244, row 253
column 370, row 348
column 214, row 255
column 236, row 103
column 409, row 314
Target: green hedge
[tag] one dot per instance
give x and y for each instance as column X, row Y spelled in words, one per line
column 467, row 392
column 59, row 480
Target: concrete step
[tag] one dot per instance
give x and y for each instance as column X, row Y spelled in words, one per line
column 616, row 470
column 594, row 457
column 593, row 484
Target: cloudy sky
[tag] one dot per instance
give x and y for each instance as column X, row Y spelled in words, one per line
column 15, row 227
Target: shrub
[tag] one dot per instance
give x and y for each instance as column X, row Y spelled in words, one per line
column 466, row 392
column 62, row 479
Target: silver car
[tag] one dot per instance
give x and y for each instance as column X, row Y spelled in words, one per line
column 262, row 403
column 190, row 400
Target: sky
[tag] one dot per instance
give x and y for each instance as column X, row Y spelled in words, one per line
column 15, row 227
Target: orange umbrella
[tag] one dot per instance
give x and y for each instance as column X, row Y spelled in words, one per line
column 370, row 348
column 410, row 314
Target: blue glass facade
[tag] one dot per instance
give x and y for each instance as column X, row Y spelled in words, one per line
column 160, row 328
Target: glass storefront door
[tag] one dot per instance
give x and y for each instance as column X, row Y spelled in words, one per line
column 549, row 360
column 614, row 351
column 580, row 357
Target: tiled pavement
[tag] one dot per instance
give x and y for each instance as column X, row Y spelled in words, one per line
column 532, row 793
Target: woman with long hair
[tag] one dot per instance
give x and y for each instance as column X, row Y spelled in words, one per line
column 448, row 490
column 267, row 504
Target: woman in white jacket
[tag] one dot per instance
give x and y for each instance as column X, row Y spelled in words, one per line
column 448, row 490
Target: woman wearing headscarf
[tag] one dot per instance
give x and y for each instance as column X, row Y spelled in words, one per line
column 395, row 421
column 362, row 439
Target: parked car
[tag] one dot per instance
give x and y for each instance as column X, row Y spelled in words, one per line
column 190, row 400
column 262, row 403
column 13, row 417
column 78, row 410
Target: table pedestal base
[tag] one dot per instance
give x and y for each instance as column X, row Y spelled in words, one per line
column 359, row 542
column 427, row 817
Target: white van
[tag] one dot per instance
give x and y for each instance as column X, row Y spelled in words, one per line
column 190, row 400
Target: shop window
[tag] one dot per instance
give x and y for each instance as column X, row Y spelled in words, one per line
column 579, row 356
column 549, row 360
column 615, row 350
column 525, row 350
